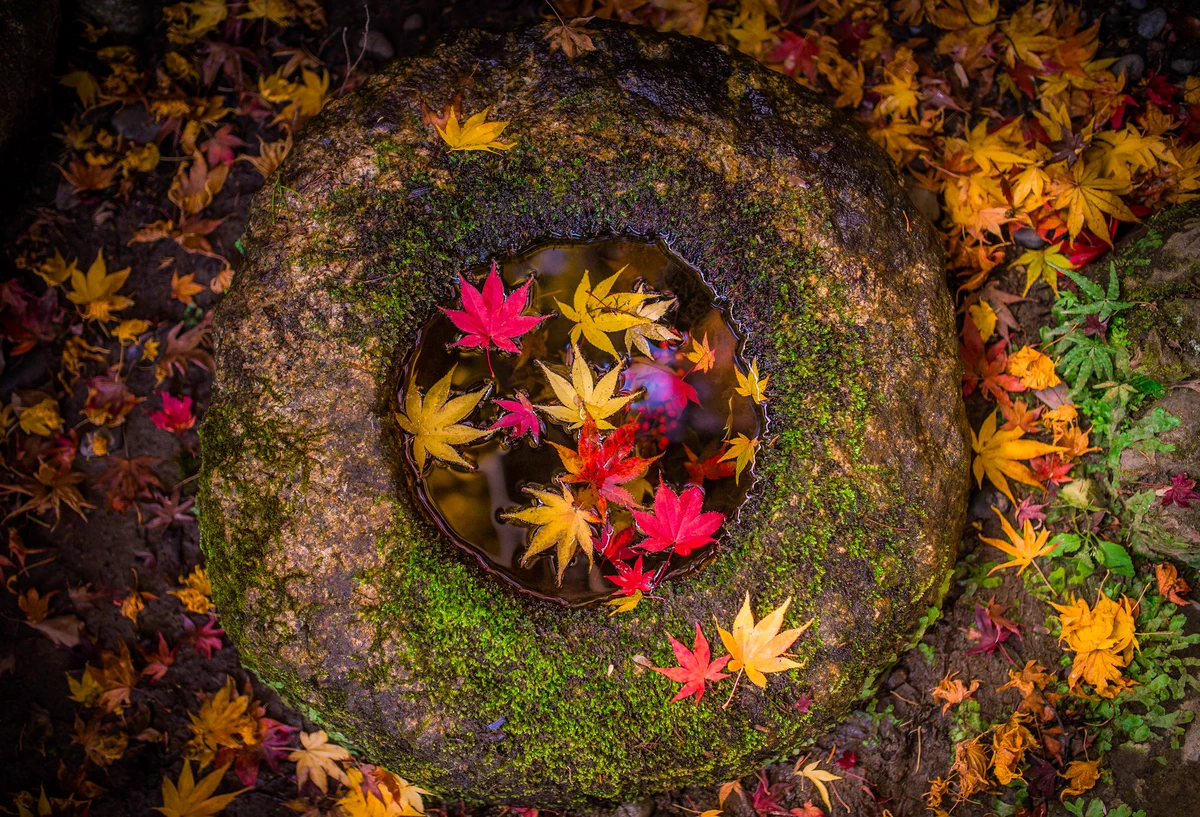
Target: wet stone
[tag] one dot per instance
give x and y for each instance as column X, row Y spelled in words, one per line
column 380, row 589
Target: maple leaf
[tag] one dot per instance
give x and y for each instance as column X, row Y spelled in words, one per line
column 1010, row 742
column 639, row 336
column 766, row 796
column 983, row 317
column 710, row 468
column 1103, row 639
column 278, row 12
column 985, row 367
column 624, row 604
column 520, row 419
column 582, row 397
column 158, row 662
column 953, row 691
column 995, row 150
column 695, row 667
column 433, row 420
column 96, row 292
column 992, row 628
column 184, row 288
column 175, row 415
column 676, row 521
column 1023, row 547
column 997, row 455
column 184, row 348
column 191, row 799
column 751, row 385
column 1035, row 370
column 758, row 648
column 742, row 449
column 226, row 720
column 571, row 37
column 1182, row 492
column 632, row 579
column 1081, row 776
column 1044, row 264
column 703, row 357
column 474, row 134
column 317, row 760
column 375, row 792
column 558, row 523
column 490, row 319
column 819, row 778
column 605, row 464
column 204, row 639
column 195, row 184
column 1088, row 197
column 597, row 311
column 126, row 479
column 270, row 155
column 1171, row 585
column 306, row 99
column 48, row 490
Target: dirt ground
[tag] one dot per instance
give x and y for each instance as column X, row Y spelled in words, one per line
column 888, row 750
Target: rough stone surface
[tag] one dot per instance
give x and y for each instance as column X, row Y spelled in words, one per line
column 29, row 31
column 124, row 17
column 1160, row 270
column 339, row 591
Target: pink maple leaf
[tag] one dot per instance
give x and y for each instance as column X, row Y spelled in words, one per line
column 491, row 320
column 206, row 638
column 676, row 521
column 176, row 414
column 520, row 419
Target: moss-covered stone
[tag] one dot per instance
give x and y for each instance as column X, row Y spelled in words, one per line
column 339, row 590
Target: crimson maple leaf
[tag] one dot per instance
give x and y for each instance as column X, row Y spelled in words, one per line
column 1051, row 469
column 204, row 639
column 984, row 369
column 631, row 579
column 605, row 463
column 1182, row 492
column 695, row 667
column 993, row 628
column 713, row 467
column 676, row 521
column 490, row 319
column 520, row 419
column 614, row 546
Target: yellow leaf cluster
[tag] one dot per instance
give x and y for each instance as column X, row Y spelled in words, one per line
column 226, row 720
column 1103, row 639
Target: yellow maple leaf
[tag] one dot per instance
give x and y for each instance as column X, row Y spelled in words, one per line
column 55, row 271
column 558, row 523
column 582, row 397
column 984, row 318
column 278, row 12
column 1023, row 547
column 84, row 84
column 899, row 94
column 317, row 760
column 758, row 648
column 1126, row 152
column 1043, row 264
column 701, row 355
column 598, row 310
column 742, row 449
column 307, row 97
column 571, row 37
column 385, row 795
column 433, row 420
column 1026, row 36
column 42, row 418
column 639, row 336
column 751, row 385
column 1087, row 197
column 998, row 455
column 192, row 799
column 819, row 778
column 952, row 691
column 1010, row 742
column 226, row 720
column 1103, row 639
column 96, row 292
column 1033, row 368
column 474, row 134
column 184, row 288
column 1081, row 776
column 997, row 150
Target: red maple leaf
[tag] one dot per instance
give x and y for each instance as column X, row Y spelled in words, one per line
column 176, row 414
column 676, row 521
column 695, row 667
column 632, row 578
column 1051, row 469
column 993, row 629
column 520, row 419
column 711, row 468
column 490, row 319
column 614, row 547
column 605, row 463
column 158, row 662
column 984, row 368
column 796, row 54
column 765, row 799
column 1182, row 492
column 204, row 639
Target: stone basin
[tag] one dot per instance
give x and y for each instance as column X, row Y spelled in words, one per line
column 343, row 593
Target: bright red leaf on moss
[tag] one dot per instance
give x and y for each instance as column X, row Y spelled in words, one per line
column 489, row 319
column 695, row 667
column 520, row 419
column 676, row 521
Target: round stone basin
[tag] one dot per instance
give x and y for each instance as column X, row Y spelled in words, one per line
column 682, row 412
